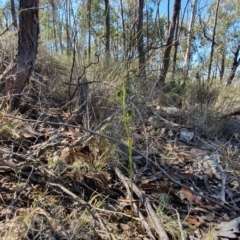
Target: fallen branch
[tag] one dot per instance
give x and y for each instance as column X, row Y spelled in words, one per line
column 145, row 200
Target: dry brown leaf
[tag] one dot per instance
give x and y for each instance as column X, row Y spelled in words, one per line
column 185, row 158
column 192, row 220
column 190, row 197
column 69, row 155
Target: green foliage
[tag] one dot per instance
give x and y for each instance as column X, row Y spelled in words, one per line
column 6, row 132
column 178, row 86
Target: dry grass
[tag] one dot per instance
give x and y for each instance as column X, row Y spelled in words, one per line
column 8, row 44
column 37, row 223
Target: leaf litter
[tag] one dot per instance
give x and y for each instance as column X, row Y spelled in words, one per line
column 62, row 181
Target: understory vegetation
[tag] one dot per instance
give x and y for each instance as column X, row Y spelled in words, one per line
column 100, row 148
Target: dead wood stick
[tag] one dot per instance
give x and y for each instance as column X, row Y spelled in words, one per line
column 143, row 221
column 145, row 200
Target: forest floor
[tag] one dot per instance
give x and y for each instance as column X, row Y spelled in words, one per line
column 62, row 181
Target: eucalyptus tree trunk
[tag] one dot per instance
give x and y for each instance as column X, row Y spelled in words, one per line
column 222, row 66
column 123, row 33
column 17, row 74
column 176, row 43
column 13, row 12
column 148, row 39
column 213, row 41
column 169, row 43
column 168, row 14
column 89, row 9
column 140, row 44
column 189, row 39
column 60, row 33
column 236, row 63
column 54, row 25
column 68, row 26
column 107, row 24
